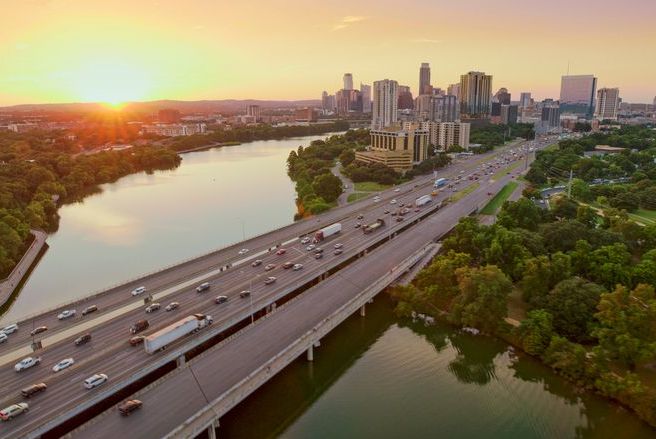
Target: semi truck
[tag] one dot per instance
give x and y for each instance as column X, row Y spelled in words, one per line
column 373, row 226
column 327, row 231
column 440, row 182
column 424, row 199
column 175, row 331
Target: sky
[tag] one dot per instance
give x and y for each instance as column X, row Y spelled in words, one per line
column 118, row 50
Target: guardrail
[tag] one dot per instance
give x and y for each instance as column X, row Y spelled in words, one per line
column 224, row 403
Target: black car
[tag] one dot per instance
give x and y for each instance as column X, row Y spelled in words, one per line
column 82, row 339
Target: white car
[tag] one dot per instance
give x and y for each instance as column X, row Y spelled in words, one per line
column 339, row 245
column 297, row 267
column 66, row 314
column 243, row 251
column 310, row 247
column 26, row 363
column 138, row 290
column 95, row 380
column 10, row 329
column 63, row 364
column 152, row 307
column 397, row 190
column 3, row 337
column 13, row 410
column 305, row 240
column 393, row 201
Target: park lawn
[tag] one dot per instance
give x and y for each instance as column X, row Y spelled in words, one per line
column 370, row 186
column 510, row 168
column 355, row 196
column 466, row 191
column 644, row 216
column 501, row 196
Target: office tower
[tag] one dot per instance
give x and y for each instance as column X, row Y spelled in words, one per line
column 168, row 115
column 254, row 111
column 436, row 91
column 525, row 100
column 327, row 102
column 577, row 93
column 502, row 96
column 508, row 114
column 424, row 79
column 608, row 102
column 444, row 109
column 454, row 90
column 495, row 109
column 365, row 93
column 422, row 106
column 444, row 135
column 475, row 94
column 386, row 99
column 406, row 102
column 550, row 114
column 348, row 101
column 348, row 81
column 324, row 100
column 396, row 147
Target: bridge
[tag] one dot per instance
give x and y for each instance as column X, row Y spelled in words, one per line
column 187, row 388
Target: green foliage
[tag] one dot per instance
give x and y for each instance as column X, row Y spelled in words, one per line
column 566, row 357
column 327, row 186
column 536, row 331
column 376, row 172
column 573, row 303
column 522, row 213
column 541, row 274
column 490, row 136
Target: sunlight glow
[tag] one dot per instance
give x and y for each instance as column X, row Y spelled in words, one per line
column 111, row 81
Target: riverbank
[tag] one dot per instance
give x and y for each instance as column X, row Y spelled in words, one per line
column 12, row 283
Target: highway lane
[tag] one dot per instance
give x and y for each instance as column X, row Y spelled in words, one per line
column 173, row 400
column 120, row 296
column 70, row 393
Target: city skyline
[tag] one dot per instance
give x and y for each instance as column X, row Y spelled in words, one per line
column 74, row 51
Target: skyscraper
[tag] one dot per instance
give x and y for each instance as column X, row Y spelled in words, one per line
column 577, row 93
column 348, row 81
column 454, row 90
column 550, row 115
column 525, row 100
column 365, row 93
column 508, row 114
column 444, row 109
column 608, row 102
column 475, row 94
column 406, row 102
column 424, row 79
column 386, row 96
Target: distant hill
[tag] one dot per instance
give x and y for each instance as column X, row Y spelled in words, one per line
column 223, row 105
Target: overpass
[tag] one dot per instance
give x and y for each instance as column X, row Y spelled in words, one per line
column 66, row 404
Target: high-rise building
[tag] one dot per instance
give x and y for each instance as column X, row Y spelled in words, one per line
column 254, row 111
column 348, row 81
column 550, row 115
column 475, row 94
column 327, row 102
column 608, row 102
column 445, row 135
column 454, row 90
column 509, row 114
column 396, row 147
column 444, row 109
column 406, row 102
column 365, row 93
column 348, row 101
column 385, row 106
column 424, row 79
column 577, row 93
column 423, row 106
column 502, row 96
column 525, row 100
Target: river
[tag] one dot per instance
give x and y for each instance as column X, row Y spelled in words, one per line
column 372, row 377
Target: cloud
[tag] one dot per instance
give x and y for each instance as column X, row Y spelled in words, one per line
column 347, row 21
column 425, row 41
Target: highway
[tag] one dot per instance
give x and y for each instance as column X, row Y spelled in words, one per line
column 108, row 352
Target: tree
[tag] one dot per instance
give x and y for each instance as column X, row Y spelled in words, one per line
column 586, row 215
column 536, row 331
column 482, row 298
column 610, row 265
column 573, row 303
column 581, row 190
column 327, row 186
column 627, row 324
column 541, row 274
column 566, row 357
column 627, row 201
column 439, row 282
column 564, row 207
column 506, row 251
column 521, row 213
column 346, row 157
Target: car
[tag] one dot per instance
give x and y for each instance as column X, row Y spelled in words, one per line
column 386, row 211
column 281, row 251
column 3, row 337
column 244, row 294
column 397, row 190
column 310, row 247
column 318, row 255
column 32, row 390
column 269, row 267
column 417, row 209
column 13, row 410
column 63, row 364
column 489, row 193
column 38, row 330
column 10, row 329
column 305, row 240
column 203, row 287
column 171, row 306
column 95, row 380
column 221, row 299
column 339, row 245
column 297, row 267
column 376, row 199
column 287, row 265
column 136, row 340
column 394, row 213
column 82, row 339
column 269, row 280
column 66, row 314
column 127, row 407
column 89, row 310
column 360, row 217
column 256, row 263
column 243, row 251
column 318, row 250
column 26, row 363
column 358, row 225
column 399, row 219
column 139, row 290
column 393, row 201
column 339, row 251
column 153, row 307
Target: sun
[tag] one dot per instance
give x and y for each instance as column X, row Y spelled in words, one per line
column 110, row 81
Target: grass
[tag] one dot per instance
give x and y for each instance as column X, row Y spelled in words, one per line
column 355, row 196
column 501, row 196
column 510, row 168
column 644, row 216
column 463, row 193
column 370, row 186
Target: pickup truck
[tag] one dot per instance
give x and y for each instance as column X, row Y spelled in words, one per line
column 26, row 363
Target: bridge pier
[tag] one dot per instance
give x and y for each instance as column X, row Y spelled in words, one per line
column 362, row 310
column 180, row 361
column 211, row 429
column 310, row 353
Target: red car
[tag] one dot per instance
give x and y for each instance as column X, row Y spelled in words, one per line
column 282, row 251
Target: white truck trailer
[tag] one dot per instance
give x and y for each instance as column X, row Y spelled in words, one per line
column 424, row 199
column 175, row 331
column 327, row 231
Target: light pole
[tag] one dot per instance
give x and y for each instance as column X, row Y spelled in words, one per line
column 250, row 289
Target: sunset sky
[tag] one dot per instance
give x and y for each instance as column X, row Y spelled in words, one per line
column 112, row 51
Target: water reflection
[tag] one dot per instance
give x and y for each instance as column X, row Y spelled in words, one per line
column 474, row 361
